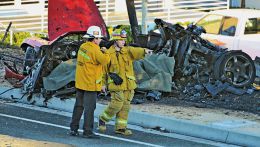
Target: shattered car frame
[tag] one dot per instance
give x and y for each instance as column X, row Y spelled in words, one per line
column 194, row 55
column 48, row 57
column 67, row 23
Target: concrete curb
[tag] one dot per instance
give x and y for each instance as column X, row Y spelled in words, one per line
column 243, row 139
column 149, row 121
column 177, row 126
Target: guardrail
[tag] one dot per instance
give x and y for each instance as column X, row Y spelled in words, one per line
column 169, row 10
column 26, row 15
column 29, row 15
column 32, row 15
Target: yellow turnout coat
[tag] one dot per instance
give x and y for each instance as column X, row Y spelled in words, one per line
column 122, row 64
column 89, row 69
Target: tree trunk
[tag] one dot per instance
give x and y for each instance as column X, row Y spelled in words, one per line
column 243, row 3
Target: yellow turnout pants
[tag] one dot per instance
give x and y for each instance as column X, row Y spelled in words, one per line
column 119, row 106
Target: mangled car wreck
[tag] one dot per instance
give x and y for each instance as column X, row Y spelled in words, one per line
column 49, row 65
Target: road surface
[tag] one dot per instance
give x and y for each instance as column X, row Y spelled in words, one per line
column 43, row 124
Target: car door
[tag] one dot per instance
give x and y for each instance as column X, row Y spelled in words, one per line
column 228, row 32
column 249, row 39
column 211, row 23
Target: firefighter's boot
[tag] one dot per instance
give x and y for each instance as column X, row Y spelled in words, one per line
column 125, row 132
column 101, row 125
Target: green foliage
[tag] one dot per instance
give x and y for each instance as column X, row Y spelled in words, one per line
column 18, row 37
column 6, row 39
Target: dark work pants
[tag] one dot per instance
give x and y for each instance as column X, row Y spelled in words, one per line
column 85, row 101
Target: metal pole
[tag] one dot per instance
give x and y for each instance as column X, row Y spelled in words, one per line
column 169, row 10
column 132, row 19
column 144, row 16
column 243, row 3
column 106, row 12
column 42, row 6
column 42, row 22
column 17, row 3
column 6, row 32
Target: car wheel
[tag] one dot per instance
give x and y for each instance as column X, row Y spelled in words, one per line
column 216, row 69
column 236, row 68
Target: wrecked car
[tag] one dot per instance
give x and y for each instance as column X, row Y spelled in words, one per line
column 65, row 33
column 198, row 56
column 193, row 55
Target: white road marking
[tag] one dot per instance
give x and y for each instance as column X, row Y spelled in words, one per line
column 64, row 127
column 133, row 127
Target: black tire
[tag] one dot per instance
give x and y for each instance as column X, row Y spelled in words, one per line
column 236, row 68
column 216, row 67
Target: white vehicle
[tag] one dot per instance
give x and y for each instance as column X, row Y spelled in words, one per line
column 235, row 29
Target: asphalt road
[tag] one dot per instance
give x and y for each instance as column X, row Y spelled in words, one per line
column 46, row 125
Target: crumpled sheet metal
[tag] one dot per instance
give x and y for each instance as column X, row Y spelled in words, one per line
column 73, row 16
column 218, row 87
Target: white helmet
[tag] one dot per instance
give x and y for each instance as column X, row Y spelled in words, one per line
column 93, row 32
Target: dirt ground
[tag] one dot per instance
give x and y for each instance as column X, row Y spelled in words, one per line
column 8, row 141
column 186, row 103
column 14, row 52
column 246, row 102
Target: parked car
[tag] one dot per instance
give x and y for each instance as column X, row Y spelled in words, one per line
column 235, row 29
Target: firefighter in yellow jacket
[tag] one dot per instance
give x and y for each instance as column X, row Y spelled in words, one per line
column 121, row 64
column 89, row 72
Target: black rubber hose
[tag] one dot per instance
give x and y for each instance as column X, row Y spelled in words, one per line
column 7, row 90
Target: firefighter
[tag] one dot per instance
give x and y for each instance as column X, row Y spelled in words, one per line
column 120, row 81
column 89, row 72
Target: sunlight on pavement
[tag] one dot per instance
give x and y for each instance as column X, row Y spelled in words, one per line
column 8, row 141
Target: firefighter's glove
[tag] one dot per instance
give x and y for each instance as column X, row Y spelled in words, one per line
column 103, row 49
column 116, row 78
column 148, row 51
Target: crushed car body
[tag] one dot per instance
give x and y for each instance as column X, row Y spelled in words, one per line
column 195, row 55
column 67, row 23
column 191, row 54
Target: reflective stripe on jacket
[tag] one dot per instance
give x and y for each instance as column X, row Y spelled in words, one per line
column 90, row 62
column 122, row 64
